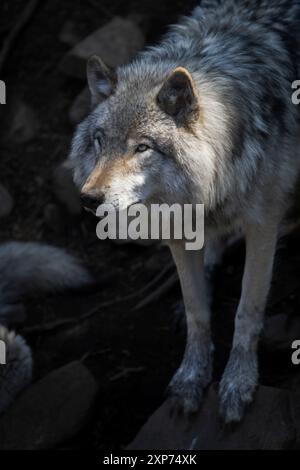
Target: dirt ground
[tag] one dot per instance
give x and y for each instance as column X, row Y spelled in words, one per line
column 132, row 353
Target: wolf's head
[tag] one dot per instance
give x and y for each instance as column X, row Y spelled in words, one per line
column 143, row 137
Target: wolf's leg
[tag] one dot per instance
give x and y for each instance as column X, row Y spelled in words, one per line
column 241, row 374
column 213, row 254
column 214, row 251
column 194, row 373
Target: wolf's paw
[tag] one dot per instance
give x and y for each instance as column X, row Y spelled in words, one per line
column 234, row 397
column 193, row 376
column 186, row 396
column 187, row 393
column 237, row 387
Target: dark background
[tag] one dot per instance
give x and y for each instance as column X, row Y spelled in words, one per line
column 132, row 353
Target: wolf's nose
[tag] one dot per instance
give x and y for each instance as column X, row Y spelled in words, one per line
column 91, row 201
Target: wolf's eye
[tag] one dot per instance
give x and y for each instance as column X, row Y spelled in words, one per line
column 98, row 141
column 142, row 148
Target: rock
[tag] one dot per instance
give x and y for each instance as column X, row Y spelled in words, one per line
column 51, row 411
column 272, row 422
column 280, row 331
column 68, row 34
column 24, row 124
column 80, row 106
column 117, row 43
column 15, row 369
column 6, row 202
column 65, row 189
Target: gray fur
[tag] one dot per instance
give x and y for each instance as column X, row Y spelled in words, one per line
column 237, row 393
column 232, row 144
column 16, row 374
column 25, row 267
column 193, row 375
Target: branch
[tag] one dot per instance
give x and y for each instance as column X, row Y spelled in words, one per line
column 159, row 292
column 62, row 322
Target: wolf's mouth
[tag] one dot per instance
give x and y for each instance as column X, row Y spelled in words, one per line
column 88, row 209
column 113, row 207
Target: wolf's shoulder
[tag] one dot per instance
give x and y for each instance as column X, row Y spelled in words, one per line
column 259, row 11
column 236, row 27
column 216, row 15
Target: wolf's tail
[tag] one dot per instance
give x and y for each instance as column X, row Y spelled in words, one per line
column 29, row 266
column 25, row 267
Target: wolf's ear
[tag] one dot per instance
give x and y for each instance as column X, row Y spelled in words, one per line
column 101, row 79
column 177, row 97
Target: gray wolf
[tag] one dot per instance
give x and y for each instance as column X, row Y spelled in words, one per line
column 205, row 116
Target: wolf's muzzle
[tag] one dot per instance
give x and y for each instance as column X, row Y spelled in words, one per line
column 92, row 202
